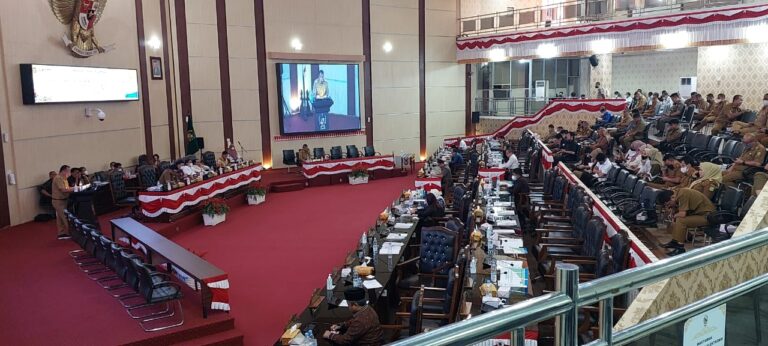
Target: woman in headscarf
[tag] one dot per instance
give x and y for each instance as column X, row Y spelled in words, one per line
column 710, row 178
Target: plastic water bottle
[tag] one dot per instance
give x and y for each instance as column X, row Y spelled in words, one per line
column 493, row 270
column 364, row 240
column 357, row 281
column 390, row 265
column 473, row 265
column 375, row 249
column 329, row 283
column 309, row 339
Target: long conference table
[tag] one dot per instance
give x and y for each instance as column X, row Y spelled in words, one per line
column 157, row 203
column 325, row 172
column 197, row 273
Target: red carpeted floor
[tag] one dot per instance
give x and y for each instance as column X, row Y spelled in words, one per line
column 276, row 254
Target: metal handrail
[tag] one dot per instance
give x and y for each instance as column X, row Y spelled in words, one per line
column 559, row 304
column 606, row 8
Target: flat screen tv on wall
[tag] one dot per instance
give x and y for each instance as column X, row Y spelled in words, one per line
column 42, row 84
column 318, row 98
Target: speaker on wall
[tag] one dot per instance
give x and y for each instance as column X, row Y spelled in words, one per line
column 475, row 117
column 200, row 142
column 594, row 61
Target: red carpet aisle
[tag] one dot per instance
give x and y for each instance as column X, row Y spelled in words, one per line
column 277, row 253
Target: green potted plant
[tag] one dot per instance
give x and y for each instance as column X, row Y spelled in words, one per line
column 214, row 211
column 256, row 195
column 359, row 175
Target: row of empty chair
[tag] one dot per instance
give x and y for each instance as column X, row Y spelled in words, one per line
column 290, row 157
column 148, row 295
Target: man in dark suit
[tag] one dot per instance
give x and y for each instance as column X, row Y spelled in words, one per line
column 519, row 191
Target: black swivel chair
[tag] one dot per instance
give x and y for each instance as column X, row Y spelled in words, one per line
column 352, row 151
column 157, row 288
column 289, row 159
column 319, row 153
column 209, row 159
column 369, row 151
column 122, row 196
column 336, row 153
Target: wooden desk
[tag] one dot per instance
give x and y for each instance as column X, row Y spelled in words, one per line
column 325, row 315
column 159, row 249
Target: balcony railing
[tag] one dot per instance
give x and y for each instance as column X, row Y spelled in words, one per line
column 578, row 12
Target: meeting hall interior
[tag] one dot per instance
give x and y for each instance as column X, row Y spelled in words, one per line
column 384, row 172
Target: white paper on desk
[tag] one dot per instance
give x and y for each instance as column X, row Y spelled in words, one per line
column 510, row 278
column 390, row 248
column 397, row 236
column 505, row 212
column 503, row 204
column 345, row 272
column 508, row 264
column 511, row 250
column 507, row 223
column 512, row 242
column 372, row 284
column 402, row 225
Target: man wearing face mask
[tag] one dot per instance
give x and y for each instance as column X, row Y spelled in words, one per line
column 730, row 113
column 672, row 137
column 665, row 104
column 753, row 156
column 674, row 112
column 758, row 127
column 704, row 107
column 671, row 173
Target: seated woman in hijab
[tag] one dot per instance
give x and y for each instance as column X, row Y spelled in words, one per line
column 432, row 211
column 710, row 178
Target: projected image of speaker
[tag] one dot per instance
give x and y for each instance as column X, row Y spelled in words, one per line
column 317, row 98
column 594, row 61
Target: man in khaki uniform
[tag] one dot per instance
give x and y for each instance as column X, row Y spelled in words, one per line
column 692, row 209
column 671, row 175
column 760, row 121
column 673, row 136
column 60, row 196
column 730, row 112
column 711, row 114
column 753, row 156
column 635, row 130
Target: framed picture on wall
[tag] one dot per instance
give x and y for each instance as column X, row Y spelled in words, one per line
column 157, row 67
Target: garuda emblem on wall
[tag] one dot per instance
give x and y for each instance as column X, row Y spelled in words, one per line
column 81, row 16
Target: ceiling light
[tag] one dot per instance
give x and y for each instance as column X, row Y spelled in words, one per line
column 387, row 47
column 675, row 40
column 546, row 51
column 497, row 54
column 603, row 46
column 296, row 44
column 756, row 33
column 154, row 43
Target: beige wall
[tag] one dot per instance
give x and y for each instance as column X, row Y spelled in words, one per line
column 395, row 76
column 43, row 137
column 633, row 71
column 316, row 23
column 736, row 69
column 444, row 78
column 471, row 8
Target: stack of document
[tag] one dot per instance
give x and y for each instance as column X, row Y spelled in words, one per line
column 397, row 236
column 513, row 246
column 390, row 248
column 503, row 204
column 506, row 223
column 505, row 212
column 513, row 277
column 402, row 225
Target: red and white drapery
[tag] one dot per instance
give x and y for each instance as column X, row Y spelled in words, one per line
column 490, row 173
column 429, row 184
column 637, row 252
column 698, row 27
column 154, row 204
column 612, row 105
column 329, row 167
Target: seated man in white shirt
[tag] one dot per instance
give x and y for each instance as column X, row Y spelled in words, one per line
column 597, row 170
column 187, row 169
column 511, row 162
